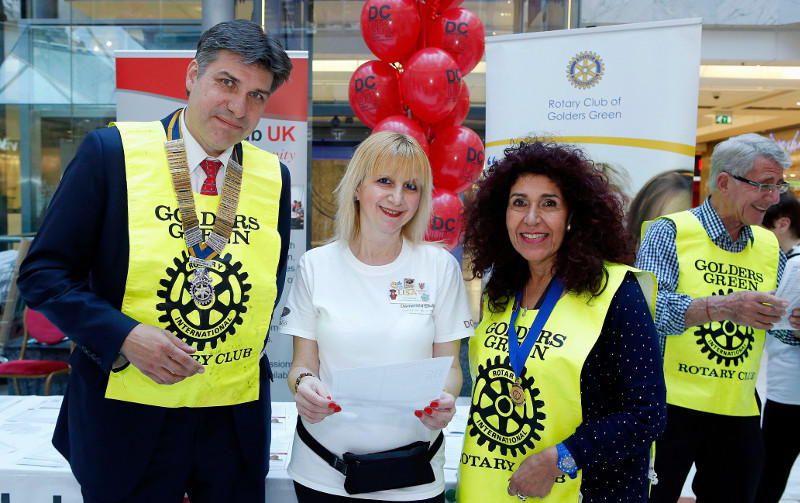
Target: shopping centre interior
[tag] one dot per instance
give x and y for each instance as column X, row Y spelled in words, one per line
column 57, row 78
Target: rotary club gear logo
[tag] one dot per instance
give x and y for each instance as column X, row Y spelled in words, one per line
column 494, row 418
column 725, row 340
column 585, row 70
column 210, row 317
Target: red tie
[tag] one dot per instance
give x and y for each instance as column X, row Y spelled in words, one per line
column 211, row 167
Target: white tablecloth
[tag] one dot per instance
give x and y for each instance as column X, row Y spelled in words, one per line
column 32, row 471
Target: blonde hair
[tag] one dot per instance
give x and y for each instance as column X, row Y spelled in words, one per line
column 394, row 154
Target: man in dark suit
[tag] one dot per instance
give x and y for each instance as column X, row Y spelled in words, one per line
column 162, row 256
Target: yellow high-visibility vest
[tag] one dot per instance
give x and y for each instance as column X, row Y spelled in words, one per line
column 500, row 435
column 230, row 332
column 713, row 367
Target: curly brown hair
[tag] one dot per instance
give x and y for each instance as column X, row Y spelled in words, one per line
column 597, row 232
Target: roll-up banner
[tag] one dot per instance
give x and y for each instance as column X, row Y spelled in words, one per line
column 626, row 94
column 151, row 85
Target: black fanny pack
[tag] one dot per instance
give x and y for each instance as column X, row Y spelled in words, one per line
column 405, row 466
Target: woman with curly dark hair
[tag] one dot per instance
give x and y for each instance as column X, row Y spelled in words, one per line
column 568, row 390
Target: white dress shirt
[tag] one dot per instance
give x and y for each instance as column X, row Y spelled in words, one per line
column 195, row 155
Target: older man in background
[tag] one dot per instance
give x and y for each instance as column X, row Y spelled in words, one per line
column 716, row 271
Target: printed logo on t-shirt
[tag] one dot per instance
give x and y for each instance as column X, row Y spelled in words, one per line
column 411, row 296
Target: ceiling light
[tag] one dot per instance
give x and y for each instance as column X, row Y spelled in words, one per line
column 750, row 72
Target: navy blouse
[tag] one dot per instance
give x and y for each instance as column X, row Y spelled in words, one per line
column 623, row 398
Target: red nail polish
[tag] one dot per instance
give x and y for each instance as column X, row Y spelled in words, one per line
column 329, row 398
column 428, row 410
column 418, row 413
column 434, row 404
column 331, row 405
column 337, row 409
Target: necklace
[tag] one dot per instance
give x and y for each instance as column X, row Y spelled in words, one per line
column 201, row 251
column 525, row 307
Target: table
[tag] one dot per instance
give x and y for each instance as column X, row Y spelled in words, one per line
column 32, row 471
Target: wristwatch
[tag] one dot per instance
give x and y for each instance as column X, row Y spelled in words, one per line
column 566, row 463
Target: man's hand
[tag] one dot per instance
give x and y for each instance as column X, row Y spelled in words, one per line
column 160, row 355
column 794, row 319
column 753, row 309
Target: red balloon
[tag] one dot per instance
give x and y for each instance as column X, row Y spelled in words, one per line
column 390, row 28
column 445, row 224
column 374, row 92
column 457, row 115
column 456, row 158
column 460, row 33
column 442, row 5
column 402, row 124
column 431, row 84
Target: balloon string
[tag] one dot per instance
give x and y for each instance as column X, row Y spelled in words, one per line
column 426, row 22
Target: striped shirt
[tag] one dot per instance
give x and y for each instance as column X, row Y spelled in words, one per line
column 659, row 255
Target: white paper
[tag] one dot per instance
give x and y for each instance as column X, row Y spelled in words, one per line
column 41, row 414
column 391, row 389
column 789, row 290
column 459, row 422
column 8, row 401
column 46, row 456
column 452, row 451
column 279, row 419
column 279, row 452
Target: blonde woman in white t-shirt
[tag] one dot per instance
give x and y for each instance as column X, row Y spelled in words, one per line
column 377, row 294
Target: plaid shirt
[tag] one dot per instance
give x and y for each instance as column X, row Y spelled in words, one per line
column 659, row 255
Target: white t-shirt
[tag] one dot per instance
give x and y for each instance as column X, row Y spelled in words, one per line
column 783, row 372
column 783, row 368
column 360, row 316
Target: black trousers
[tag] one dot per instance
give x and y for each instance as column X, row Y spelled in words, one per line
column 308, row 495
column 781, row 447
column 198, row 454
column 727, row 451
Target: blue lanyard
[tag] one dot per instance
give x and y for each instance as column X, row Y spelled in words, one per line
column 516, row 354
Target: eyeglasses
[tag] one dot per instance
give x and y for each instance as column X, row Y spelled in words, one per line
column 764, row 188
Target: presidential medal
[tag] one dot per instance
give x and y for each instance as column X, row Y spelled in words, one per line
column 202, row 252
column 517, row 394
column 202, row 290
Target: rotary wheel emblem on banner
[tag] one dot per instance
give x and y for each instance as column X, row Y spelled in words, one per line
column 725, row 340
column 494, row 418
column 585, row 70
column 203, row 319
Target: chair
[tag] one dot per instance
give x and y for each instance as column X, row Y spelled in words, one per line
column 40, row 329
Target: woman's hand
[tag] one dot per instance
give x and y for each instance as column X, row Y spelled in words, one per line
column 439, row 413
column 536, row 475
column 312, row 400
